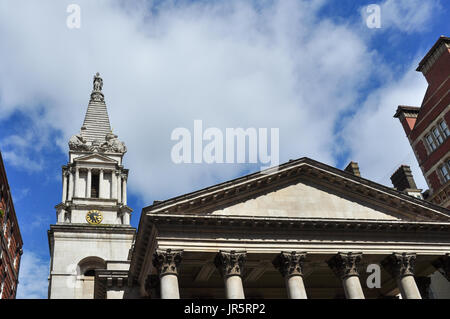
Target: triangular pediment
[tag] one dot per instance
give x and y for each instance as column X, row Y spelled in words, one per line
column 307, row 200
column 95, row 158
column 303, row 189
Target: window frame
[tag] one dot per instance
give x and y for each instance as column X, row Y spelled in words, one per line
column 431, row 145
column 445, row 166
column 438, row 138
column 445, row 131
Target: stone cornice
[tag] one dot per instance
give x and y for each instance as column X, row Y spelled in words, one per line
column 209, row 198
column 297, row 223
column 442, row 44
column 87, row 228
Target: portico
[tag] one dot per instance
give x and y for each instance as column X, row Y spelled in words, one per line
column 305, row 231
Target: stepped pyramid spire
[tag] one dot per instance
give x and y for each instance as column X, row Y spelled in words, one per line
column 96, row 133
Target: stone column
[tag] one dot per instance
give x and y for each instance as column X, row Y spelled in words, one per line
column 77, row 182
column 345, row 266
column 230, row 265
column 113, row 185
column 167, row 263
column 100, row 184
column 89, row 183
column 64, row 191
column 443, row 265
column 119, row 188
column 290, row 265
column 124, row 189
column 70, row 196
column 401, row 267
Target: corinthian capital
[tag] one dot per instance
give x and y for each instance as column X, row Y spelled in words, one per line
column 399, row 264
column 290, row 263
column 230, row 263
column 167, row 261
column 345, row 264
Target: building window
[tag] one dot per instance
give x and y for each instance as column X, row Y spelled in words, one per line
column 445, row 171
column 444, row 128
column 437, row 135
column 431, row 143
column 95, row 186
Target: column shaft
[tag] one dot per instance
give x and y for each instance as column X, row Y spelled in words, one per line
column 167, row 263
column 352, row 288
column 295, row 287
column 234, row 288
column 169, row 287
column 113, row 185
column 64, row 190
column 89, row 183
column 100, row 184
column 119, row 188
column 401, row 267
column 124, row 191
column 77, row 182
column 408, row 288
column 70, row 195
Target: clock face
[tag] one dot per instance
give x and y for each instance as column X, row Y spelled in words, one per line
column 94, row 217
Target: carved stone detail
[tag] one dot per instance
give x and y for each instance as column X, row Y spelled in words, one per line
column 345, row 264
column 290, row 263
column 443, row 265
column 167, row 261
column 230, row 263
column 78, row 143
column 112, row 144
column 399, row 264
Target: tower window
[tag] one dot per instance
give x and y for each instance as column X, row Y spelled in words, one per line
column 95, row 186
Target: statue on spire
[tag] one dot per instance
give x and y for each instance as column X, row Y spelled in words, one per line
column 97, row 94
column 98, row 82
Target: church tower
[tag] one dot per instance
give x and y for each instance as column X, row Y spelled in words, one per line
column 93, row 229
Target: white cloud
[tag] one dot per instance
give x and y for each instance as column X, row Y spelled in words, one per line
column 228, row 63
column 408, row 15
column 33, row 274
column 378, row 140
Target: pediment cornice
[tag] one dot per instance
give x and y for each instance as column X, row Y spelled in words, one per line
column 249, row 186
column 95, row 158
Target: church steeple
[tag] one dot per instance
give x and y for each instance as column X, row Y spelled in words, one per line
column 94, row 178
column 93, row 219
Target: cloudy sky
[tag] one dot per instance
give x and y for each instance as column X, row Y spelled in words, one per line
column 312, row 69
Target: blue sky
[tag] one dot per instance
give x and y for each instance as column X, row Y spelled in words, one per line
column 313, row 69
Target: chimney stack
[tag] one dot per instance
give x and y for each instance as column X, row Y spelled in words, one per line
column 353, row 168
column 403, row 179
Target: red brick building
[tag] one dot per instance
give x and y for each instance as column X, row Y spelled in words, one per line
column 11, row 240
column 428, row 126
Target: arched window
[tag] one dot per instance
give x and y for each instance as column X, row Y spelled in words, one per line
column 88, row 265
